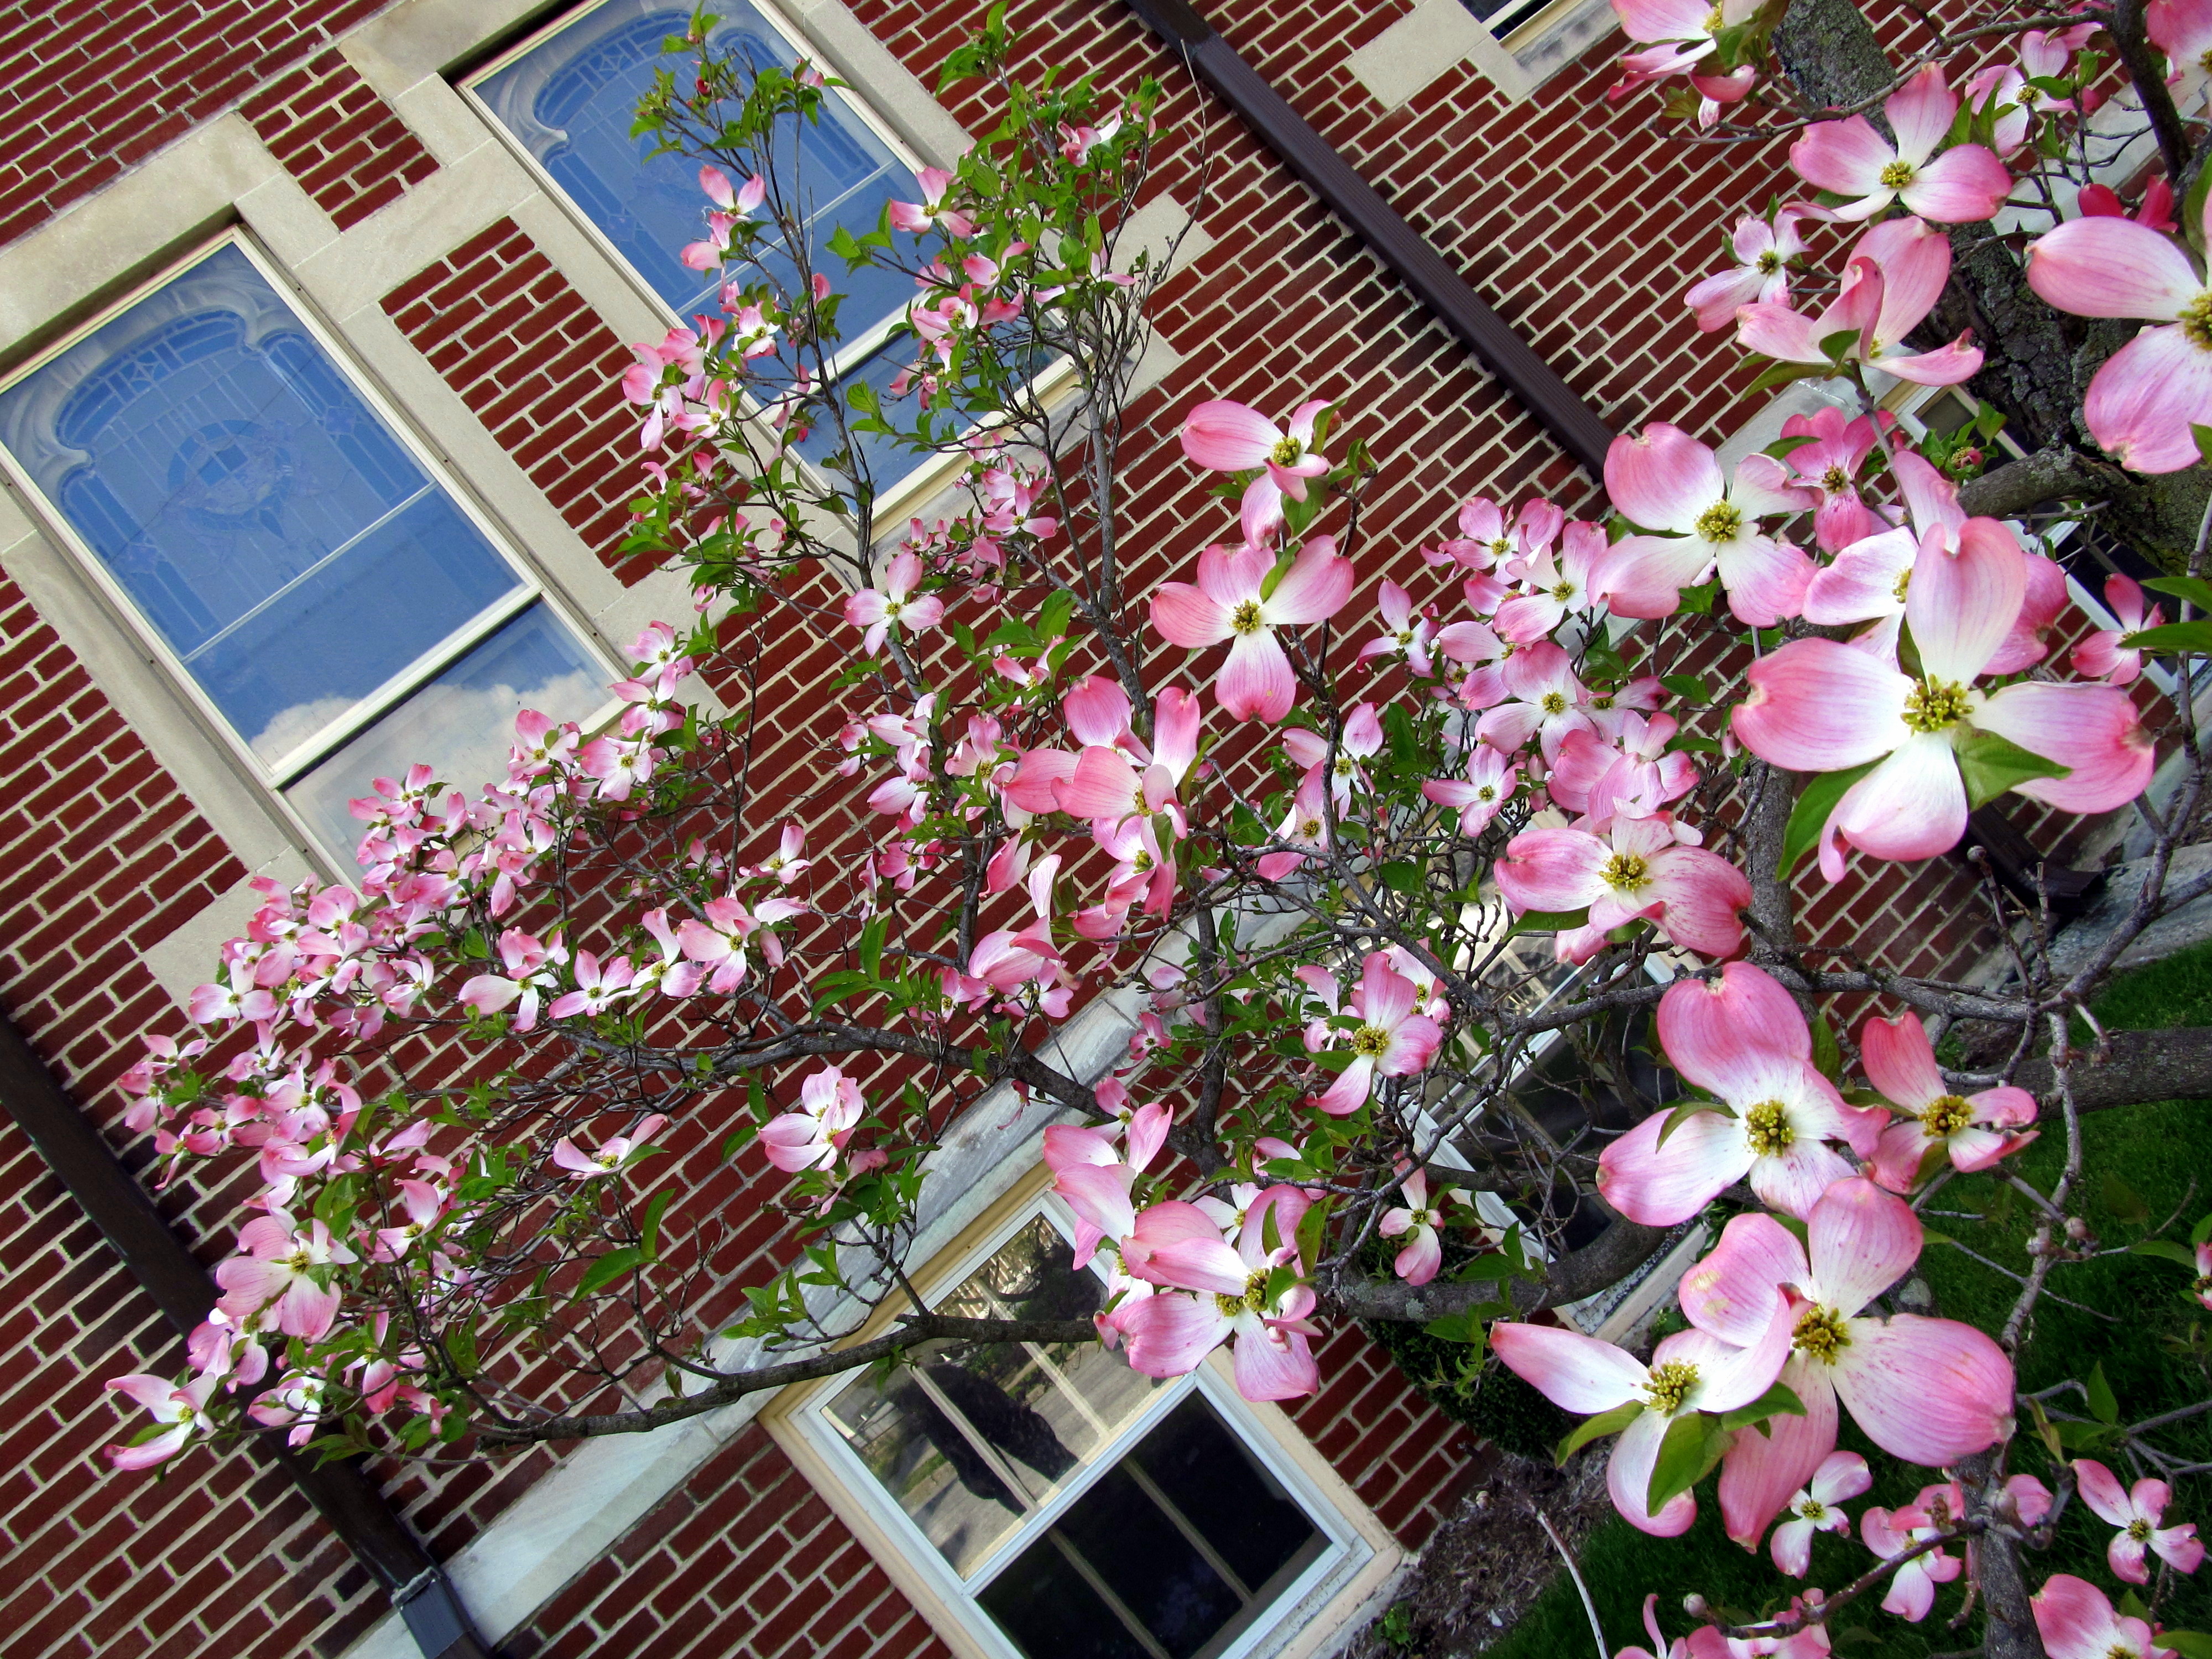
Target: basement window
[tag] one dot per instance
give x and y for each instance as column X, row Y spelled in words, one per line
column 566, row 99
column 333, row 608
column 1064, row 1506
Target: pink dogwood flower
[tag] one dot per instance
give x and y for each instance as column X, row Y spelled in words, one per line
column 2182, row 29
column 2101, row 656
column 1929, row 1391
column 1691, row 1370
column 1818, row 706
column 1255, row 681
column 918, row 216
column 1490, row 782
column 1639, row 870
column 1415, row 1221
column 1849, row 157
column 1392, row 1039
column 812, row 1137
column 878, row 609
column 616, row 1152
column 2076, row 1622
column 1664, row 480
column 277, row 1267
column 1973, row 1131
column 1895, row 274
column 1553, row 589
column 1763, row 251
column 1911, row 1591
column 2136, row 1511
column 1816, row 1507
column 2141, row 402
column 1406, row 631
column 183, row 1409
column 1234, row 1295
column 1829, row 465
column 1230, row 437
column 1742, row 1038
column 1547, row 701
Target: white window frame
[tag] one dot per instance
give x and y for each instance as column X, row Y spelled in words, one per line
column 892, row 494
column 1345, row 1550
column 275, row 779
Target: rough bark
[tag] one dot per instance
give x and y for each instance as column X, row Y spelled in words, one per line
column 2008, row 1629
column 2140, row 1066
column 1614, row 1254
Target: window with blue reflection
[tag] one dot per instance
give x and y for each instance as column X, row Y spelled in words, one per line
column 570, row 101
column 268, row 527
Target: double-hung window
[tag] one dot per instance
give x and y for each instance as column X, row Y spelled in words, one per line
column 567, row 100
column 335, row 608
column 1067, row 1507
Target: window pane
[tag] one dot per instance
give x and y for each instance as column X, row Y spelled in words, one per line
column 264, row 521
column 570, row 101
column 1185, row 1542
column 967, row 1440
column 461, row 724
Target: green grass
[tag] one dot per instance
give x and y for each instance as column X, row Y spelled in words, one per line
column 2139, row 1165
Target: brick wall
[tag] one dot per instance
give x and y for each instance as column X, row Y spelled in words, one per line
column 337, row 138
column 1575, row 223
column 93, row 89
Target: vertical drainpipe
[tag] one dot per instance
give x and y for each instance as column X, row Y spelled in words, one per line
column 341, row 1490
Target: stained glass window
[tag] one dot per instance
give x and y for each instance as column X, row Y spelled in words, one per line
column 296, row 559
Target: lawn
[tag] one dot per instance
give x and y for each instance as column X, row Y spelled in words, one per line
column 2141, row 1164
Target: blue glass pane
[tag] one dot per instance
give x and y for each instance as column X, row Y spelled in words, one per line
column 571, row 100
column 263, row 519
column 461, row 724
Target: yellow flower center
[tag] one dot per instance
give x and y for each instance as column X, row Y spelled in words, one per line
column 1670, row 1385
column 1934, row 706
column 1311, row 829
column 2140, row 1531
column 1563, row 590
column 1834, row 479
column 1821, row 1335
column 1811, row 1508
column 1904, row 585
column 1370, row 1041
column 2195, row 318
column 1897, row 175
column 1554, row 702
column 1486, row 791
column 1720, row 522
column 1766, row 1127
column 1141, row 863
column 1768, row 263
column 1287, row 452
column 1246, row 618
column 1946, row 1115
column 1627, row 872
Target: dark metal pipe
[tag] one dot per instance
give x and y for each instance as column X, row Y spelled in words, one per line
column 1576, row 427
column 340, row 1490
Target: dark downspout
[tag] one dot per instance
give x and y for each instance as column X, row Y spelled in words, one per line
column 341, row 1492
column 1575, row 427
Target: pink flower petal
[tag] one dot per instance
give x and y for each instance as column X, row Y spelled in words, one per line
column 1169, row 1334
column 1920, row 113
column 2141, row 404
column 1188, row 617
column 1659, row 1186
column 1929, row 1391
column 1763, row 1471
column 1275, row 1365
column 1662, row 478
column 1899, row 1061
column 1863, row 580
column 2101, row 1490
column 1776, row 331
column 1314, row 588
column 1730, row 1292
column 1913, row 806
column 1575, row 1372
column 1792, row 1182
column 1818, row 706
column 1229, row 437
column 1643, row 576
column 2093, row 729
column 1553, row 869
column 1845, row 156
column 1863, row 1241
column 1765, row 579
column 2099, row 267
column 1963, row 185
column 1702, row 893
column 1628, row 1481
column 1710, row 1027
column 1945, row 366
column 2075, row 1621
column 1255, row 682
column 1961, row 605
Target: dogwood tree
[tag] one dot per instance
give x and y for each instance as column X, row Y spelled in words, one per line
column 1344, row 836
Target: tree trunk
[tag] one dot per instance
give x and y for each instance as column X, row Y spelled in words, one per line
column 2008, row 1629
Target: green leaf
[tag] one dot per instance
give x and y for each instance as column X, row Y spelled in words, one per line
column 1828, row 1052
column 1810, row 816
column 738, row 1140
column 1313, row 1227
column 609, row 1267
column 2102, row 1405
column 1784, row 374
column 1780, row 1401
column 2194, row 589
column 1592, row 1428
column 1551, row 921
column 1053, row 617
column 1465, row 1327
column 2130, row 1605
column 2172, row 637
column 2125, row 1203
column 2201, row 1231
column 461, row 1347
column 1401, row 876
column 1835, row 348
column 1693, row 1444
column 648, row 1232
column 872, row 947
column 1688, row 1110
column 1698, row 600
column 2190, row 1643
column 1993, row 764
column 1690, row 688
